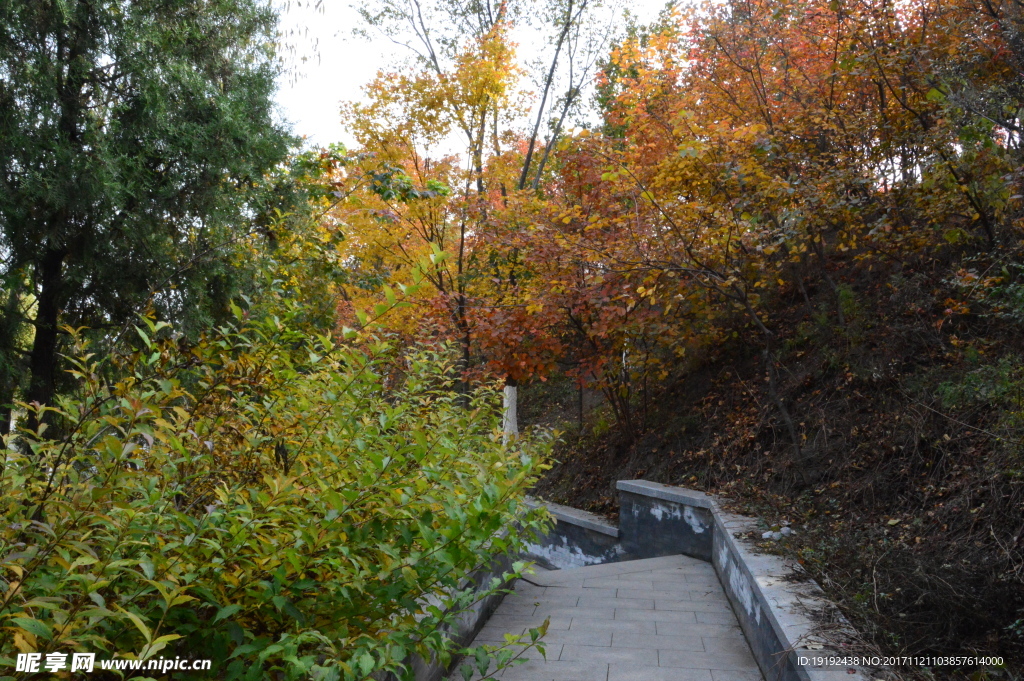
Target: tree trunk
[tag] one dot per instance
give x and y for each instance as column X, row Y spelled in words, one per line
column 462, row 386
column 6, row 411
column 581, row 409
column 43, row 359
column 773, row 392
column 798, row 276
column 8, row 345
column 509, row 417
column 768, row 356
column 819, row 249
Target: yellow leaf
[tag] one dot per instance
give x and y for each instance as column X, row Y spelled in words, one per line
column 25, row 642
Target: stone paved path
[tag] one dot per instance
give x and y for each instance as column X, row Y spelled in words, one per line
column 661, row 619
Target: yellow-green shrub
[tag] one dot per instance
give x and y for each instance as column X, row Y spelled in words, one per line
column 265, row 499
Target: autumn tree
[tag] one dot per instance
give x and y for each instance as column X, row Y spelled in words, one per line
column 747, row 148
column 464, row 81
column 755, row 141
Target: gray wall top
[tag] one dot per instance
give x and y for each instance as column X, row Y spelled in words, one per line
column 575, row 516
column 665, row 492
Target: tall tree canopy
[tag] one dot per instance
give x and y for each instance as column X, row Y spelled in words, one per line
column 467, row 82
column 132, row 136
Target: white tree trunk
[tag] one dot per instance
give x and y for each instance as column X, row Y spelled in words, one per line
column 509, row 420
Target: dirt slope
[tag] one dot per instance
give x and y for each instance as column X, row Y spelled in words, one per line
column 906, row 486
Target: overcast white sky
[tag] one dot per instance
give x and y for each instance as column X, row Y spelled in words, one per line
column 345, row 63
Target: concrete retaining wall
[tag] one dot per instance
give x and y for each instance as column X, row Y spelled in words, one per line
column 578, row 539
column 654, row 523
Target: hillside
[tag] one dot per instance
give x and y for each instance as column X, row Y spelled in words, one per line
column 907, row 489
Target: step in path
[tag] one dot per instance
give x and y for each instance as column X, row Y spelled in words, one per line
column 659, row 619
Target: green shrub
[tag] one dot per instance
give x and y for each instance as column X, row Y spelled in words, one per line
column 996, row 385
column 267, row 499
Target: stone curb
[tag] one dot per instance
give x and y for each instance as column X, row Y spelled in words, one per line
column 788, row 600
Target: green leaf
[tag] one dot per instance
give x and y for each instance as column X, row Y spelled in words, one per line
column 483, row 661
column 366, row 663
column 225, row 612
column 34, row 626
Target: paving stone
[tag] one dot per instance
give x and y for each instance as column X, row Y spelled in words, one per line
column 716, row 618
column 522, row 586
column 668, row 594
column 609, row 569
column 518, row 609
column 708, row 594
column 553, row 652
column 678, row 560
column 693, row 643
column 640, row 582
column 680, row 582
column 500, row 619
column 574, row 580
column 614, row 654
column 545, row 610
column 697, row 567
column 680, row 579
column 493, row 635
column 736, row 645
column 618, row 672
column 647, row 626
column 625, row 582
column 635, row 603
column 692, row 660
column 569, row 591
column 496, row 635
column 702, row 630
column 590, row 637
column 693, row 606
column 535, row 600
column 556, row 670
column 656, row 615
